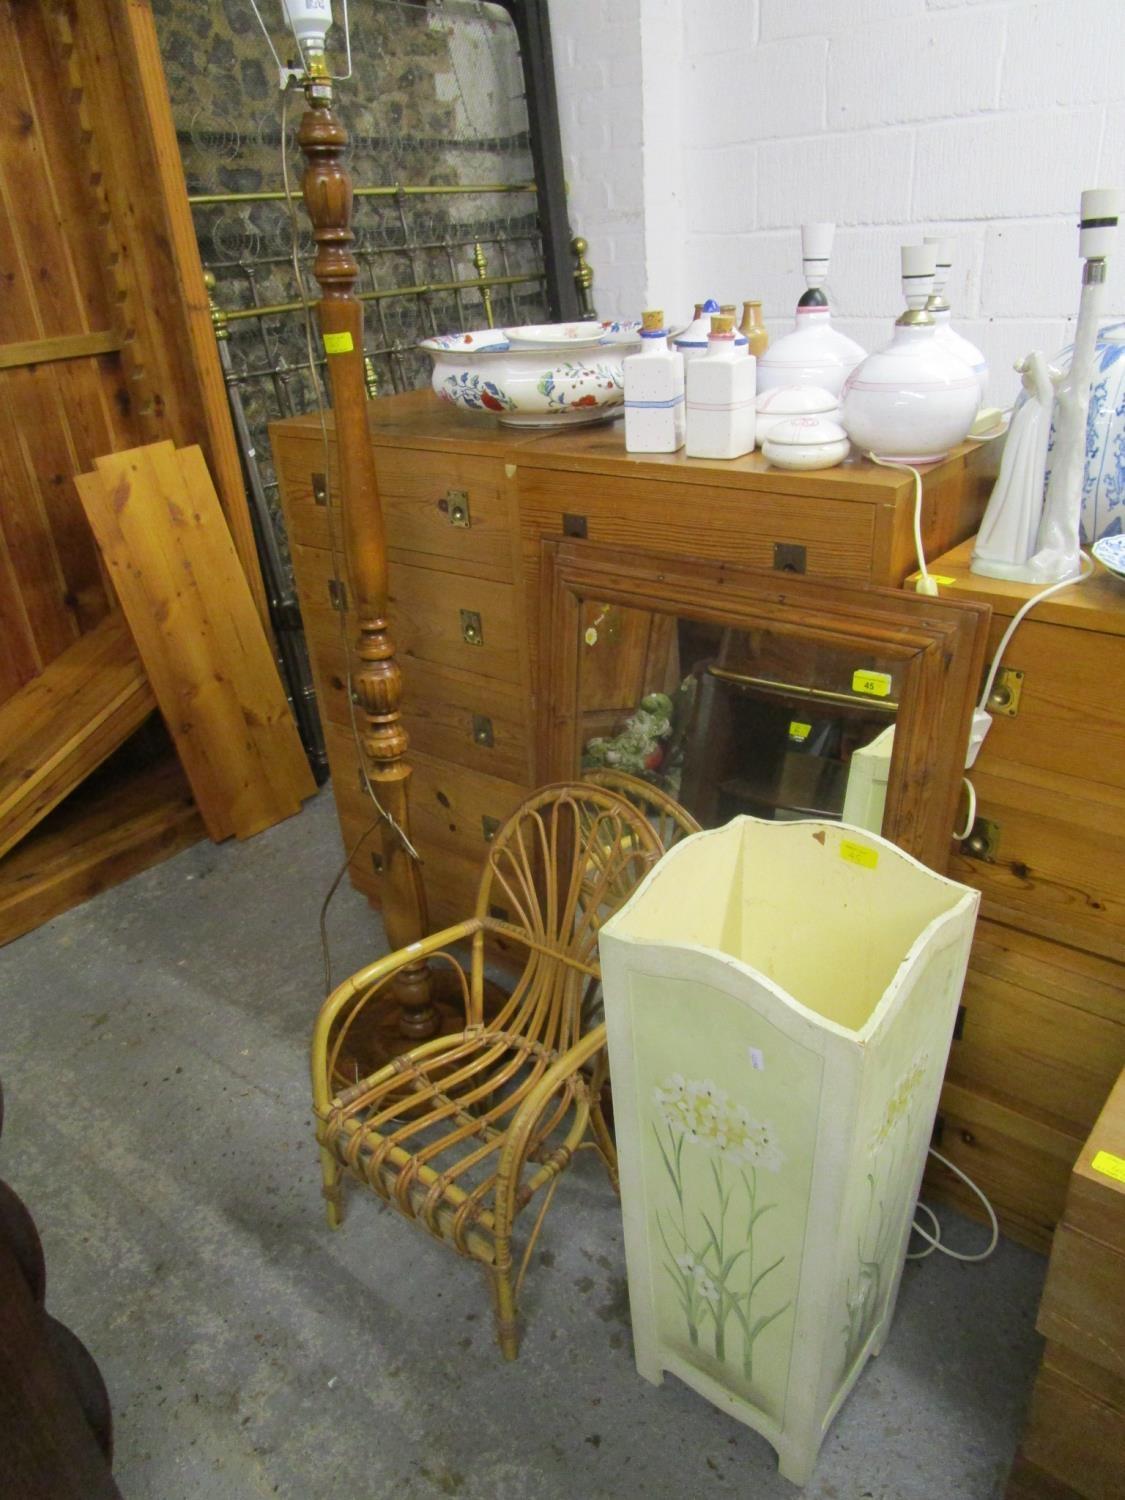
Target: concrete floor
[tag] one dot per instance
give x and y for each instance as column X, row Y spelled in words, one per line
column 152, row 1048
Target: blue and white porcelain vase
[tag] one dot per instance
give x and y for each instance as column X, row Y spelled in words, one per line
column 1103, row 488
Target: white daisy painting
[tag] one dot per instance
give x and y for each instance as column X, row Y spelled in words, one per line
column 719, row 1159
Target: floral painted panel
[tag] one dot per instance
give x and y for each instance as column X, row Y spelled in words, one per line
column 904, row 1075
column 729, row 1114
column 892, row 1163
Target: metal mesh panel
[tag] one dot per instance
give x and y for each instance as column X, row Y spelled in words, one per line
column 447, row 233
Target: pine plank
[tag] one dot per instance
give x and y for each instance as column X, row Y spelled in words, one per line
column 159, row 525
column 92, row 842
column 116, row 60
column 64, row 723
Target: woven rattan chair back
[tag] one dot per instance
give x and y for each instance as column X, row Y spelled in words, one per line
column 562, row 864
column 670, row 821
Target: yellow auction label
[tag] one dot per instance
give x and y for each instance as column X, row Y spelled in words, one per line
column 1109, row 1165
column 874, row 684
column 799, row 731
column 859, row 854
column 338, row 343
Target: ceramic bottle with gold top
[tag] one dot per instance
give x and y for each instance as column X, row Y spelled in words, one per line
column 721, row 386
column 654, row 391
column 753, row 329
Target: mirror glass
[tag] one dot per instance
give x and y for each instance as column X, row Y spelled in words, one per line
column 769, row 722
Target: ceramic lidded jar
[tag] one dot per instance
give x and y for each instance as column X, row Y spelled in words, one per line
column 786, row 401
column 654, row 392
column 937, row 305
column 693, row 341
column 813, row 442
column 912, row 401
column 814, row 353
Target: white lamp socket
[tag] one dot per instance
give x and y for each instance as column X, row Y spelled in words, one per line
column 1101, row 208
column 918, row 265
column 816, row 247
column 944, row 264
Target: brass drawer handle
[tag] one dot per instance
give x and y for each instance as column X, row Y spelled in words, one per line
column 983, row 841
column 454, row 505
column 490, row 827
column 1006, row 690
column 472, row 631
column 482, row 730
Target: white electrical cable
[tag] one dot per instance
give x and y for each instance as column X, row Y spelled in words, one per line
column 971, row 816
column 1052, row 588
column 925, row 584
column 925, row 1208
column 935, row 1241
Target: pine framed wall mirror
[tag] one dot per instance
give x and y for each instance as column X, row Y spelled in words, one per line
column 739, row 691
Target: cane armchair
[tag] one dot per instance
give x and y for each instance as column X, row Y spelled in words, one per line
column 466, row 1131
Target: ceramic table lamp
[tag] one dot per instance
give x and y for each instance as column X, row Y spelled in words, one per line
column 1057, row 555
column 911, row 401
column 814, row 353
column 780, row 1000
column 937, row 305
column 1026, row 534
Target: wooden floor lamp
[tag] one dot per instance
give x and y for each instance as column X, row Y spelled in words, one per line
column 376, row 677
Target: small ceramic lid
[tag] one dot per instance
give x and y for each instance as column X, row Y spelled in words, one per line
column 796, row 401
column 807, row 432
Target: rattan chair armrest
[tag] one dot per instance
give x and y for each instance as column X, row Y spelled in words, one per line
column 523, row 1123
column 372, row 978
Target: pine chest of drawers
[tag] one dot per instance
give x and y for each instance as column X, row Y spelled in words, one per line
column 1041, row 1037
column 466, row 506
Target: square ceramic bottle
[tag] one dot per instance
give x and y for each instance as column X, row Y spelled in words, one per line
column 721, row 389
column 654, row 392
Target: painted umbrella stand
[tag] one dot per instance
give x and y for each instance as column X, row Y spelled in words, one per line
column 780, row 1000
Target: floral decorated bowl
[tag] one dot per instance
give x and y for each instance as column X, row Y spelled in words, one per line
column 552, row 375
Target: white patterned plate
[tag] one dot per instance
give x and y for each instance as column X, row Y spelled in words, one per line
column 1110, row 551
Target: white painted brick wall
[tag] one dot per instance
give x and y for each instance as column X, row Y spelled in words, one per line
column 700, row 134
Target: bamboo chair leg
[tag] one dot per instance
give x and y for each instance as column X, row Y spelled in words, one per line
column 604, row 1144
column 333, row 1174
column 504, row 1303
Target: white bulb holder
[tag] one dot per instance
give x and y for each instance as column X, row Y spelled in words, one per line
column 919, row 262
column 1097, row 227
column 816, row 249
column 944, row 262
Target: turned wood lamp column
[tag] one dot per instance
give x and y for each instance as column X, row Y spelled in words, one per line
column 376, row 680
